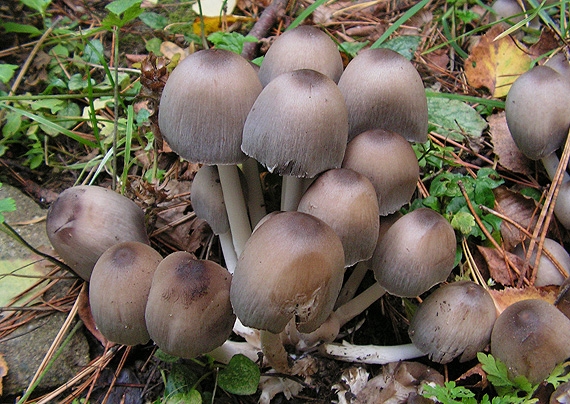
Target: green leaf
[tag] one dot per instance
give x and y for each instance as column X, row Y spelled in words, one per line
column 154, row 20
column 181, row 379
column 39, row 5
column 77, row 82
column 7, row 72
column 6, row 205
column 240, row 377
column 12, row 124
column 454, row 119
column 153, row 45
column 405, row 45
column 118, row 7
column 21, row 28
column 232, row 41
column 51, row 104
column 191, row 397
column 352, row 48
column 93, row 52
column 464, row 222
column 70, row 109
column 165, row 357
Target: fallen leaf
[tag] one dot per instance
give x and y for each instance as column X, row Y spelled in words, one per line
column 497, row 265
column 17, row 276
column 496, row 64
column 454, row 119
column 504, row 298
column 171, row 51
column 547, row 42
column 215, row 24
column 84, row 313
column 520, row 210
column 504, row 146
column 3, row 371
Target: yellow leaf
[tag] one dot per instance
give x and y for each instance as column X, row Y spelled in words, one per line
column 496, row 64
column 16, row 276
column 215, row 24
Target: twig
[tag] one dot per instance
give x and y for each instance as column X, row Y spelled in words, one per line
column 261, row 28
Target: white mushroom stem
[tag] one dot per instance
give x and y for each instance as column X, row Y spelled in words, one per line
column 329, row 330
column 550, row 164
column 228, row 349
column 235, row 205
column 227, row 244
column 255, row 201
column 292, row 190
column 372, row 354
column 351, row 285
column 274, row 351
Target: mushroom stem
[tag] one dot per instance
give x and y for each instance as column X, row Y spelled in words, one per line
column 292, row 190
column 329, row 330
column 228, row 349
column 550, row 164
column 255, row 201
column 351, row 285
column 235, row 205
column 372, row 354
column 227, row 244
column 274, row 351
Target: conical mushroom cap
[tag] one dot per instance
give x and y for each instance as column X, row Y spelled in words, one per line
column 188, row 312
column 86, row 220
column 538, row 111
column 455, row 320
column 417, row 252
column 118, row 291
column 204, row 105
column 383, row 90
column 304, row 47
column 298, row 125
column 292, row 266
column 531, row 337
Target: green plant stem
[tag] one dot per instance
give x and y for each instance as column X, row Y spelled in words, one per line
column 116, row 107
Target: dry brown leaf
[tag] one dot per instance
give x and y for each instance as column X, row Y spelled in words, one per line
column 84, row 313
column 504, row 146
column 519, row 209
column 475, row 373
column 3, row 371
column 497, row 265
column 504, row 298
column 496, row 64
column 547, row 42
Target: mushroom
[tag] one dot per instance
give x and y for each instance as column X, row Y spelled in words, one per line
column 118, row 291
column 86, row 220
column 188, row 312
column 553, row 264
column 203, row 108
column 297, row 127
column 208, row 203
column 531, row 337
column 455, row 320
column 563, row 300
column 292, row 268
column 303, row 47
column 561, row 395
column 347, row 202
column 389, row 162
column 383, row 89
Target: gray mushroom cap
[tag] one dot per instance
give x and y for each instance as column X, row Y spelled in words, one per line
column 383, row 90
column 204, row 105
column 389, row 162
column 298, row 125
column 86, row 220
column 188, row 312
column 531, row 337
column 292, row 267
column 417, row 252
column 304, row 47
column 455, row 320
column 347, row 202
column 537, row 111
column 118, row 291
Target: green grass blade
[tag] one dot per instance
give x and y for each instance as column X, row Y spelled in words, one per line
column 468, row 98
column 52, row 125
column 127, row 161
column 402, row 20
column 305, row 14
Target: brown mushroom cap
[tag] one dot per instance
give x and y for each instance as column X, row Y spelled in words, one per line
column 537, row 111
column 383, row 90
column 389, row 162
column 188, row 312
column 86, row 220
column 298, row 125
column 292, row 266
column 417, row 252
column 204, row 105
column 531, row 337
column 118, row 291
column 347, row 202
column 455, row 320
column 304, row 47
